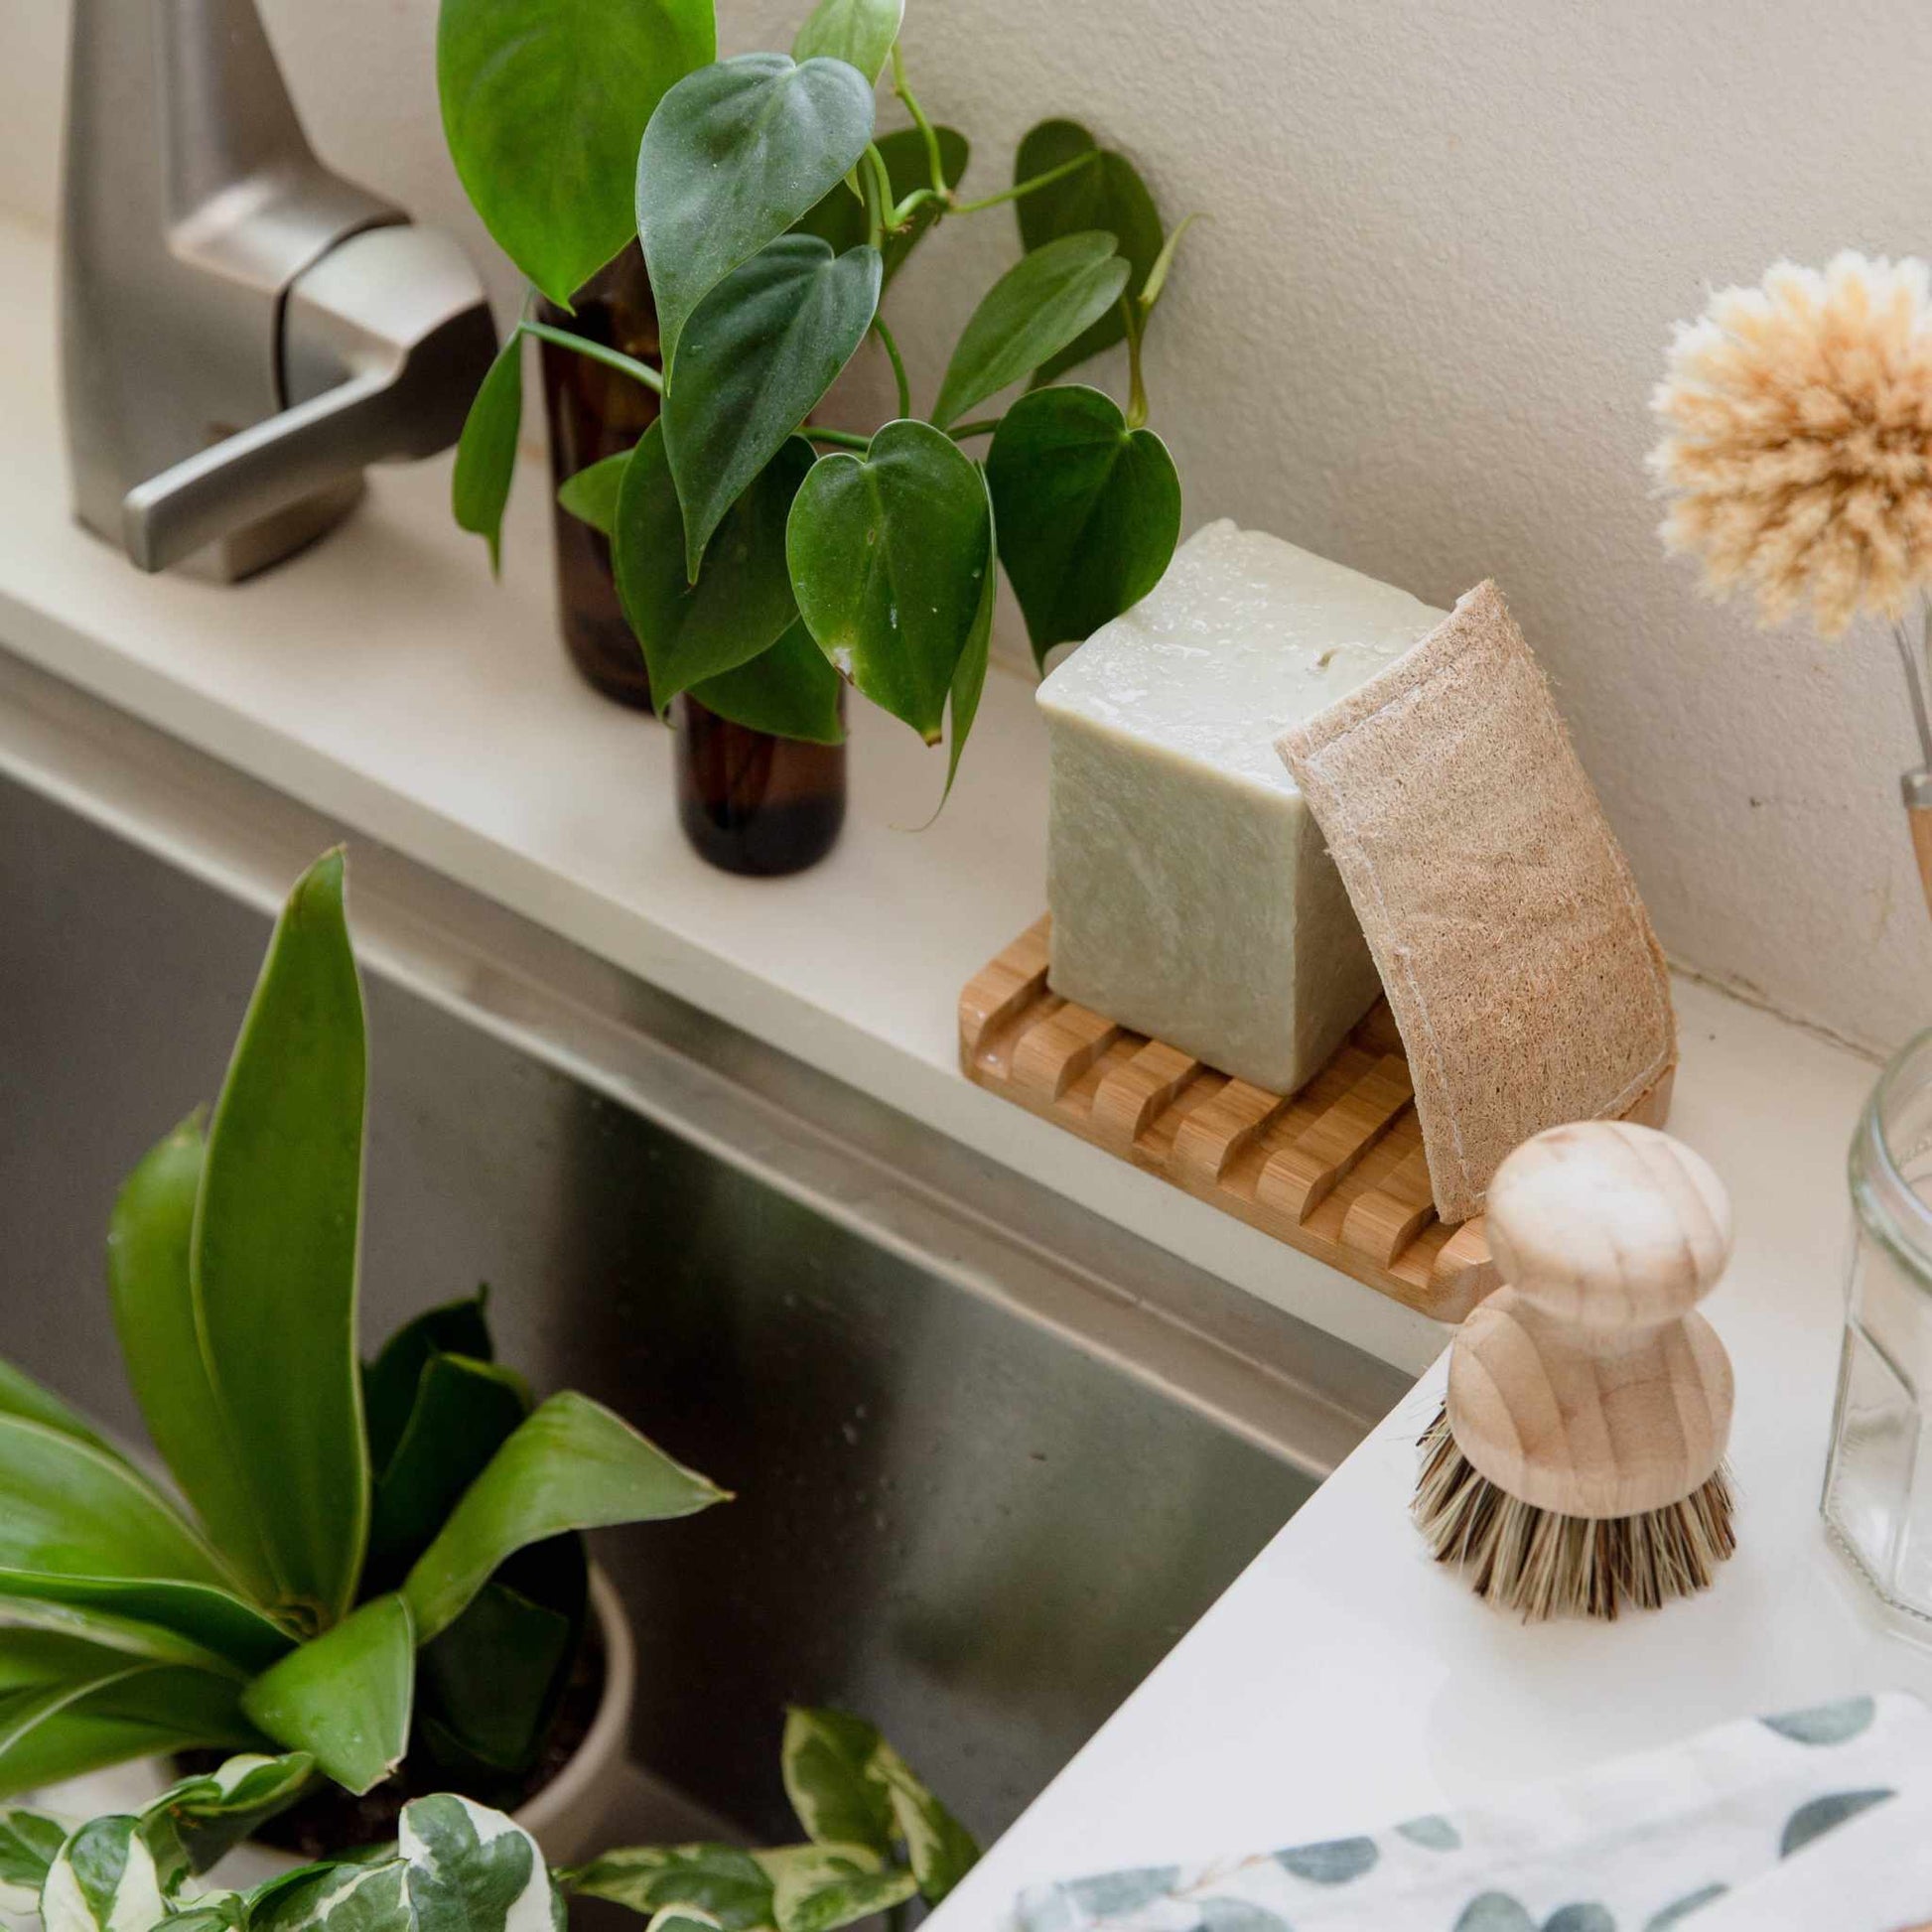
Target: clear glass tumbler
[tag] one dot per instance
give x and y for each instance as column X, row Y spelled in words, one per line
column 1878, row 1481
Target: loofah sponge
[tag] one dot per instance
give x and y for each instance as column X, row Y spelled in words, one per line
column 1517, row 957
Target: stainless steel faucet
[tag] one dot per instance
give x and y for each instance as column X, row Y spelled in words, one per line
column 242, row 329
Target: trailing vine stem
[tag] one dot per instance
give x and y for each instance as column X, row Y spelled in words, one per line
column 1032, row 186
column 884, row 334
column 1136, row 381
column 910, row 101
column 614, row 359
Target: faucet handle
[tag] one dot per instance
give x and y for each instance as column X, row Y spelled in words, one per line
column 385, row 342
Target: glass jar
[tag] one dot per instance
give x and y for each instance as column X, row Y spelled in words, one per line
column 594, row 412
column 753, row 804
column 1878, row 1481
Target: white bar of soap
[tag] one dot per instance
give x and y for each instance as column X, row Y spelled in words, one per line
column 1193, row 897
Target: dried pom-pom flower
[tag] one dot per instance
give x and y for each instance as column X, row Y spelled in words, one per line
column 1798, row 445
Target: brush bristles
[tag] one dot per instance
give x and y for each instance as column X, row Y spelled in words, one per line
column 1542, row 1565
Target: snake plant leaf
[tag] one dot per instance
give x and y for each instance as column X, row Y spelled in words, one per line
column 103, row 1879
column 759, row 351
column 1108, row 194
column 29, row 1845
column 1089, row 511
column 839, row 217
column 275, row 1261
column 21, row 1395
column 160, row 1617
column 939, row 1849
column 590, row 495
column 731, row 1886
column 489, row 1686
column 150, row 1242
column 345, row 1697
column 544, row 103
column 790, row 690
column 471, row 1869
column 77, row 1510
column 145, row 1712
column 344, row 1898
column 464, row 1413
column 197, row 1822
column 573, row 1465
column 859, row 32
column 1028, row 315
column 390, row 1382
column 742, row 603
column 734, row 155
column 815, row 1887
column 888, row 561
column 825, row 1758
column 486, row 450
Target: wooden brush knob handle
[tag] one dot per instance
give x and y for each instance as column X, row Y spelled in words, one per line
column 1606, row 1224
column 1585, row 1386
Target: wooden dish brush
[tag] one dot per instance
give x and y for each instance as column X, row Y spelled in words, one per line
column 1578, row 1462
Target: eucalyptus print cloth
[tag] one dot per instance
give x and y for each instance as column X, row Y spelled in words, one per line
column 1639, row 1845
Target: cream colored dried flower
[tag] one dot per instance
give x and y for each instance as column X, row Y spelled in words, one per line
column 1798, row 454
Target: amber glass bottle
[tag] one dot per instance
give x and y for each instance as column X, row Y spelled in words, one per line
column 754, row 804
column 596, row 412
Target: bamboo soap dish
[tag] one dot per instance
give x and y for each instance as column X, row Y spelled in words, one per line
column 1336, row 1169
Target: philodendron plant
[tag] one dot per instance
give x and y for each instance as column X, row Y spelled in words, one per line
column 760, row 555
column 374, row 1561
column 875, row 1837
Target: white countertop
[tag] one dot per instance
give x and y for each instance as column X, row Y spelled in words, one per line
column 1343, row 1681
column 382, row 679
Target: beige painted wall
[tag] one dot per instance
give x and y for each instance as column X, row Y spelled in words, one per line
column 1449, row 238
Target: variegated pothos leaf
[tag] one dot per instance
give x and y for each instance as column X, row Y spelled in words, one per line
column 815, row 1887
column 471, row 1869
column 103, row 1879
column 720, row 1882
column 197, row 1822
column 334, row 1898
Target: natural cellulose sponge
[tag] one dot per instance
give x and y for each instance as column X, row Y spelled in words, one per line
column 1518, row 959
column 1192, row 895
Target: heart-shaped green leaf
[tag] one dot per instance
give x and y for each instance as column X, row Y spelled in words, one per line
column 1107, row 194
column 573, row 1465
column 544, row 103
column 790, row 691
column 274, row 1265
column 485, row 451
column 840, row 217
column 889, row 562
column 345, row 1697
column 742, row 603
column 759, row 350
column 735, row 154
column 857, row 32
column 1089, row 511
column 592, row 494
column 1028, row 316
column 969, row 674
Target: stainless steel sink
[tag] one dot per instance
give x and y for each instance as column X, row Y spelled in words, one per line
column 992, row 1455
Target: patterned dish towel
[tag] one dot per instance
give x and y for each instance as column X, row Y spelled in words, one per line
column 1745, row 1823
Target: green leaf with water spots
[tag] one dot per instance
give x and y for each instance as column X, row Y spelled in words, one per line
column 485, row 451
column 346, row 1696
column 857, row 32
column 572, row 1466
column 734, row 155
column 1107, row 194
column 742, row 603
column 544, row 105
column 889, row 562
column 1089, row 511
column 1028, row 316
column 759, row 351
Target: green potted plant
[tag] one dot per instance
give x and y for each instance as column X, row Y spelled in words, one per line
column 763, row 559
column 379, row 1567
column 875, row 1837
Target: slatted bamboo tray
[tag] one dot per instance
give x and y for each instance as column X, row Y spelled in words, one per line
column 1336, row 1169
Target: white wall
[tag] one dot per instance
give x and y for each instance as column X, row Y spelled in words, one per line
column 1449, row 238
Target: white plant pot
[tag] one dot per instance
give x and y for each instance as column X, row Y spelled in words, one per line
column 565, row 1817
